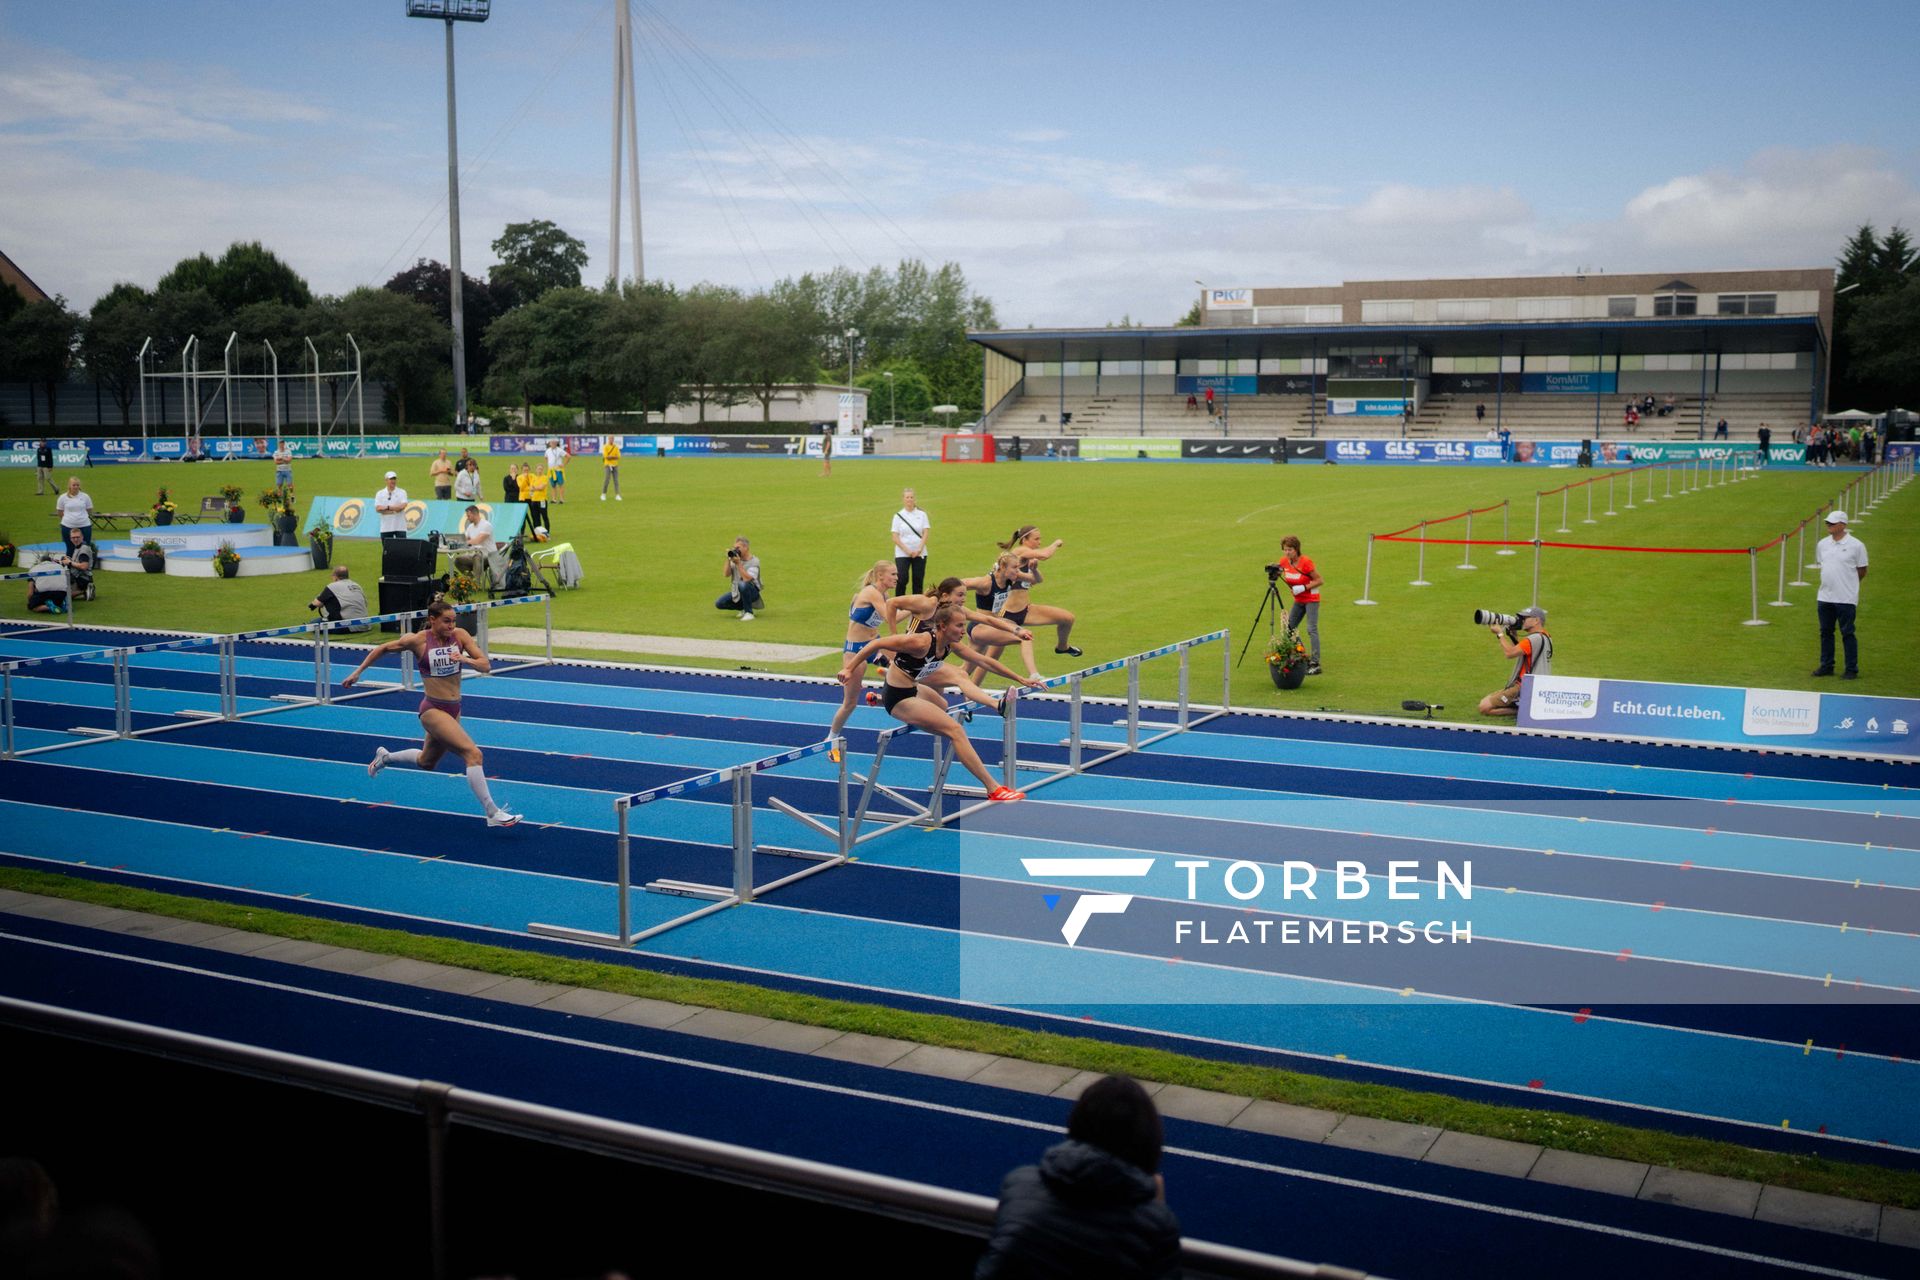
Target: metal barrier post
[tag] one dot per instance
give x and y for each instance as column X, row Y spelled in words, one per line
column 1366, row 584
column 1420, row 574
column 1009, row 737
column 1536, row 512
column 1781, row 599
column 1668, row 468
column 1630, row 484
column 1506, row 533
column 1536, row 572
column 1588, row 486
column 743, row 835
column 1564, row 526
column 1133, row 704
column 6, row 712
column 549, row 612
column 1753, row 580
column 1073, row 725
column 1182, row 718
column 623, row 874
column 1650, row 498
column 1466, row 548
column 1800, row 557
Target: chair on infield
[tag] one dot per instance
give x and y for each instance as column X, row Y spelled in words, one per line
column 214, row 508
column 556, row 564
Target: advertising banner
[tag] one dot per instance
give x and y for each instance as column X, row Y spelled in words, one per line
column 1572, row 384
column 1196, row 384
column 1366, row 408
column 1129, row 447
column 1229, row 299
column 1411, row 451
column 356, row 518
column 15, row 456
column 1232, row 450
column 1688, row 450
column 1291, row 384
column 1766, row 718
column 1305, row 450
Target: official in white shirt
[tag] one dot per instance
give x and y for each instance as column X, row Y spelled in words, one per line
column 910, row 545
column 391, row 504
column 1843, row 567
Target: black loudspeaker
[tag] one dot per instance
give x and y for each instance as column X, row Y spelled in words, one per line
column 404, row 595
column 407, row 557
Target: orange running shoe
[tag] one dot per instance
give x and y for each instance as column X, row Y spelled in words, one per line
column 1006, row 793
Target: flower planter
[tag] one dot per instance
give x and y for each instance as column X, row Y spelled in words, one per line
column 236, row 513
column 227, row 568
column 163, row 517
column 153, row 561
column 322, row 553
column 6, row 557
column 1289, row 676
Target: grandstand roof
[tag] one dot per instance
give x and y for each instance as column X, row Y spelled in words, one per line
column 13, row 275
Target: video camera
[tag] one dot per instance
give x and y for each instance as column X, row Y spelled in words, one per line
column 1273, row 573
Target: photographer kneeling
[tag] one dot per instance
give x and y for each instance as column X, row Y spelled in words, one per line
column 1523, row 637
column 341, row 600
column 743, row 577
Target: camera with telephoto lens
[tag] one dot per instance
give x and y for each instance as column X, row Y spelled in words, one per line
column 733, row 553
column 1509, row 622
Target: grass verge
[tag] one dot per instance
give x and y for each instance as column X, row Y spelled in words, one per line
column 1553, row 1129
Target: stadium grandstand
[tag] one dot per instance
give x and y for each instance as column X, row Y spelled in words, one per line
column 1544, row 356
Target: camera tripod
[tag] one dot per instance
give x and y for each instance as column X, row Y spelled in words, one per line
column 1270, row 600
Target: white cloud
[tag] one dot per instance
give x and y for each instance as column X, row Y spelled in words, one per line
column 48, row 98
column 1037, row 135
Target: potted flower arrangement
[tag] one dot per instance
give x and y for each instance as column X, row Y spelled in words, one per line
column 235, row 512
column 163, row 509
column 462, row 587
column 277, row 502
column 7, row 552
column 226, row 561
column 320, row 541
column 153, row 557
column 1287, row 660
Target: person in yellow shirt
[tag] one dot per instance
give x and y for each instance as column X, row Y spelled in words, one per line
column 523, row 481
column 610, row 455
column 537, row 488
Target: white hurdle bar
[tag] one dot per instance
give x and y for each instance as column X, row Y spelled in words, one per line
column 740, row 779
column 225, row 646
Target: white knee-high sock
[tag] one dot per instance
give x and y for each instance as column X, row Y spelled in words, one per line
column 410, row 756
column 477, row 779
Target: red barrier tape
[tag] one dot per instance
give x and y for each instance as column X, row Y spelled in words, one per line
column 1576, row 546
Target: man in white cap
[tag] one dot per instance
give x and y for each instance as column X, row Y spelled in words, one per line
column 391, row 504
column 1531, row 649
column 1843, row 566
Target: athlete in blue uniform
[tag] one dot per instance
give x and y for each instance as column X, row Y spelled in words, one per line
column 864, row 615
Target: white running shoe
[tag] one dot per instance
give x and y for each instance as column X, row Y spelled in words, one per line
column 746, row 617
column 501, row 818
column 378, row 762
column 618, row 498
column 603, row 497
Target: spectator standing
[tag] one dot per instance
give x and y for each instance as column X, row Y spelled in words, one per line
column 283, row 465
column 1209, row 402
column 1095, row 1205
column 391, row 505
column 440, row 475
column 1843, row 567
column 1765, row 436
column 75, row 510
column 341, row 599
column 539, row 487
column 43, row 468
column 510, row 484
column 466, row 481
column 610, row 467
column 557, row 456
column 1480, row 412
column 743, row 580
column 1868, row 439
column 1304, row 582
column 910, row 526
column 1506, row 444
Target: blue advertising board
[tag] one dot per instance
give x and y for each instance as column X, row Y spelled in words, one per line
column 1343, row 408
column 355, row 517
column 1771, row 719
column 1572, row 384
column 1413, row 451
column 98, row 449
column 1196, row 384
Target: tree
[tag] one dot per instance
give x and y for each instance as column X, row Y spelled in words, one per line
column 117, row 327
column 770, row 344
column 37, row 345
column 400, row 341
column 535, row 258
column 1191, row 320
column 1884, row 337
column 1871, row 284
column 567, row 345
column 10, row 301
column 640, row 343
column 905, row 397
column 429, row 283
column 702, row 324
column 247, row 272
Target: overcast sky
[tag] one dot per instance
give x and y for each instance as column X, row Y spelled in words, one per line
column 1081, row 162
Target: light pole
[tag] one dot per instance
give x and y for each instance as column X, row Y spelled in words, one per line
column 853, row 336
column 893, row 414
column 450, row 12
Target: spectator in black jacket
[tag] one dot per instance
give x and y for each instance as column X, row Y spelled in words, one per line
column 1095, row 1205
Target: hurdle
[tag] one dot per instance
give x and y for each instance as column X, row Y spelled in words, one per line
column 120, row 661
column 932, row 815
column 739, row 780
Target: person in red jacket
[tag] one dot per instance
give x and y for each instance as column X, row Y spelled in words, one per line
column 1303, row 581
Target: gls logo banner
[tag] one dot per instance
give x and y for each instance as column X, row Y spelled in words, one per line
column 1087, row 905
column 1350, row 449
column 1402, row 449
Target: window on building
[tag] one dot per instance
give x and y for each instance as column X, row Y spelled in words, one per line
column 1676, row 304
column 1619, row 307
column 1324, row 315
column 1545, row 308
column 1386, row 310
column 1465, row 309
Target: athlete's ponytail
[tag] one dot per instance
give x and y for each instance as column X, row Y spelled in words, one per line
column 1019, row 536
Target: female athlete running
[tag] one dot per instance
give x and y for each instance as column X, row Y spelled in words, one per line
column 441, row 650
column 863, row 618
column 911, row 692
column 1018, row 608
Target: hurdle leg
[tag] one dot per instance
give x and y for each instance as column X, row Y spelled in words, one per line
column 1009, row 738
column 6, row 713
column 1073, row 726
